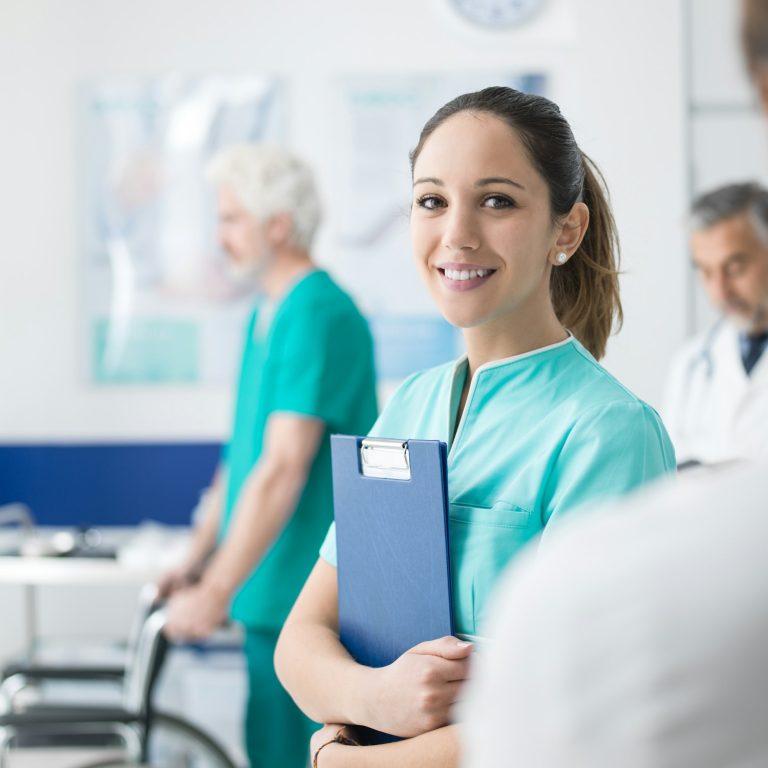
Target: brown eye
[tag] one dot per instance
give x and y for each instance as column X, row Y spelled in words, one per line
column 498, row 202
column 736, row 267
column 430, row 202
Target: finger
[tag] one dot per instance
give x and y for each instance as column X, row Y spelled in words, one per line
column 447, row 647
column 176, row 625
column 444, row 697
column 186, row 631
column 453, row 692
column 172, row 631
column 452, row 670
column 459, row 671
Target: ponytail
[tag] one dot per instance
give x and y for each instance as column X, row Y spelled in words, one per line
column 585, row 290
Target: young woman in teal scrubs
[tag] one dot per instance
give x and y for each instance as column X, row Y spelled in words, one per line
column 514, row 238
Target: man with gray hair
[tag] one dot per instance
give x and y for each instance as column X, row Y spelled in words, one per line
column 716, row 404
column 307, row 370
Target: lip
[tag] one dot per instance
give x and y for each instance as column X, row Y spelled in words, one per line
column 461, row 286
column 459, row 265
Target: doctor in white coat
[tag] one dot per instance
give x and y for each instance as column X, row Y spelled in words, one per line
column 716, row 403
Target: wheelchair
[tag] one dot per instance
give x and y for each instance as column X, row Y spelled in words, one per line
column 144, row 735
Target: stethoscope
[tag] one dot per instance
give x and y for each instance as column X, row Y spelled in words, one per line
column 704, row 355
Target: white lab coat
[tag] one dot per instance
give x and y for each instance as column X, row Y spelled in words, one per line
column 713, row 411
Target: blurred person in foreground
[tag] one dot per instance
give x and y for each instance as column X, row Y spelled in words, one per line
column 716, row 403
column 638, row 639
column 307, row 370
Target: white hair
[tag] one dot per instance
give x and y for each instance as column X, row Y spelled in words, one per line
column 269, row 180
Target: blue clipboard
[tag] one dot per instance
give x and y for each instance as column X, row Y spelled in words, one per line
column 393, row 557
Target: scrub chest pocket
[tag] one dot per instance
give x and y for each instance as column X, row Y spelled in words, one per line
column 482, row 541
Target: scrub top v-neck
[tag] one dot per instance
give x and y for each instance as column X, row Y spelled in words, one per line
column 541, row 435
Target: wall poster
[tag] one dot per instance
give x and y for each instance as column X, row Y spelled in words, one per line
column 160, row 307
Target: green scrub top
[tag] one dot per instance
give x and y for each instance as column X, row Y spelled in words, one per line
column 542, row 434
column 311, row 355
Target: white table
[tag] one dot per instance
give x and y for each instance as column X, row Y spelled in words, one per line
column 33, row 572
column 62, row 571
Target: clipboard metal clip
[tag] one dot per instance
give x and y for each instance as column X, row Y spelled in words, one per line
column 385, row 458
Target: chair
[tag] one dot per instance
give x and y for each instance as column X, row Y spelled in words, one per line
column 135, row 723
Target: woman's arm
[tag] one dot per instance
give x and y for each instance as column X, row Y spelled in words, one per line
column 436, row 749
column 411, row 696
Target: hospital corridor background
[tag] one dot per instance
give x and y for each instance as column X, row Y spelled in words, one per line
column 124, row 311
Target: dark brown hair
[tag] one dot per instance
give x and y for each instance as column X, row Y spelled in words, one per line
column 754, row 33
column 585, row 290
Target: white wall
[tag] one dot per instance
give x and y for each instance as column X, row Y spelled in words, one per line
column 615, row 67
column 728, row 129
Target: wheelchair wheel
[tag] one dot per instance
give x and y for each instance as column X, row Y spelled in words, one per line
column 176, row 743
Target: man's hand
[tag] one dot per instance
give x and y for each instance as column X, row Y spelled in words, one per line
column 173, row 580
column 415, row 693
column 195, row 612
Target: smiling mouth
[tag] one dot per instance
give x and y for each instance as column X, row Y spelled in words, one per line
column 456, row 278
column 461, row 275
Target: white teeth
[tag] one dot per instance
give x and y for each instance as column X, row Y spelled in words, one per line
column 466, row 274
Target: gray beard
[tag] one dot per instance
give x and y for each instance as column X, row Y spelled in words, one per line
column 247, row 275
column 757, row 321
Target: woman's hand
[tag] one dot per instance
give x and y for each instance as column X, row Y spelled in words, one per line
column 411, row 696
column 415, row 693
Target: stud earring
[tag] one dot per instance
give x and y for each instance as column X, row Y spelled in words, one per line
column 562, row 257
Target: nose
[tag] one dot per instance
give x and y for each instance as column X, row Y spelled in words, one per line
column 461, row 231
column 221, row 236
column 719, row 288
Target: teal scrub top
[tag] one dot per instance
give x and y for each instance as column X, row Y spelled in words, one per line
column 312, row 356
column 542, row 434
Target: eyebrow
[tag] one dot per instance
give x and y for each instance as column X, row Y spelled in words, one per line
column 480, row 183
column 428, row 180
column 732, row 258
column 498, row 180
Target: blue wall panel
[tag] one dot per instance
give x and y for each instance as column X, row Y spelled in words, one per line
column 109, row 484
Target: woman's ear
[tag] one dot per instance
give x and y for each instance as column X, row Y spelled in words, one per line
column 279, row 229
column 572, row 230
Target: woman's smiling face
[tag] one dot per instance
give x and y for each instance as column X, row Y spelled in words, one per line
column 481, row 223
